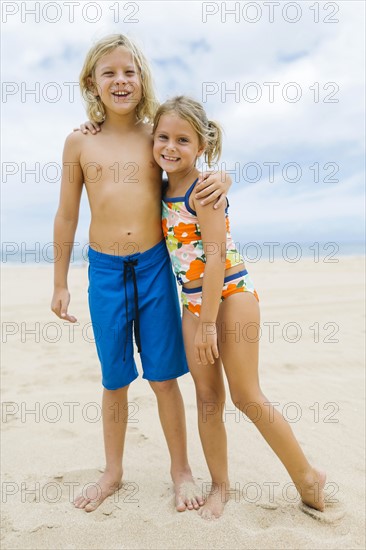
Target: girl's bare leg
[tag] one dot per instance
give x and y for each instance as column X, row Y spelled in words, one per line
column 238, row 342
column 210, row 394
column 115, row 416
column 173, row 422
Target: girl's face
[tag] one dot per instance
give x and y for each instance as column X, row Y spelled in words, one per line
column 176, row 144
column 117, row 81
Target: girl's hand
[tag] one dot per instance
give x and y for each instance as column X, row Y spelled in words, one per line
column 205, row 344
column 213, row 186
column 60, row 303
column 88, row 126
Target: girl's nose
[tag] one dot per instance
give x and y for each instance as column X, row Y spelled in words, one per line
column 171, row 146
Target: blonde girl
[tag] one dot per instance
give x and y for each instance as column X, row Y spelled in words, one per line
column 219, row 301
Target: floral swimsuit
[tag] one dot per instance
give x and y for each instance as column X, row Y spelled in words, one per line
column 183, row 239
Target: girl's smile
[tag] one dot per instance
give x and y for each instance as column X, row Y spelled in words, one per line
column 176, row 144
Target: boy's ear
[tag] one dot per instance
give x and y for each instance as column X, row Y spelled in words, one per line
column 92, row 86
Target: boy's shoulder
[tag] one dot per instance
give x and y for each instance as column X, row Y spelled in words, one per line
column 74, row 138
column 146, row 128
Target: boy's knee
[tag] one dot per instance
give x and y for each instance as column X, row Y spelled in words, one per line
column 164, row 387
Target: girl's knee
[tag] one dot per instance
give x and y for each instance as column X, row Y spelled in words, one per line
column 209, row 397
column 248, row 401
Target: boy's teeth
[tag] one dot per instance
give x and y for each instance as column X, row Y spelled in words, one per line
column 169, row 158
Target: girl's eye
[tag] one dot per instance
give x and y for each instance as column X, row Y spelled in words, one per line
column 162, row 136
column 185, row 140
column 107, row 73
column 130, row 72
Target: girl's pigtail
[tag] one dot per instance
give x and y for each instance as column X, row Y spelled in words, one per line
column 214, row 142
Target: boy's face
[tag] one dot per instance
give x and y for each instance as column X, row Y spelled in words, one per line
column 176, row 144
column 117, row 81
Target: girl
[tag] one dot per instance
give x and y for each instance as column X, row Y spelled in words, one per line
column 129, row 269
column 219, row 300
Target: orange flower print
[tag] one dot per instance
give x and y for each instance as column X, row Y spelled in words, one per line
column 227, row 223
column 195, row 270
column 231, row 289
column 196, row 309
column 165, row 227
column 227, row 263
column 185, row 233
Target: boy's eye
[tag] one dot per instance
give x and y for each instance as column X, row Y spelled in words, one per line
column 107, row 72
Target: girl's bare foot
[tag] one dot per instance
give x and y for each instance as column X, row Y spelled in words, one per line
column 311, row 489
column 215, row 503
column 188, row 495
column 96, row 493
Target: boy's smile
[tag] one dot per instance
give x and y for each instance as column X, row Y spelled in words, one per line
column 117, row 81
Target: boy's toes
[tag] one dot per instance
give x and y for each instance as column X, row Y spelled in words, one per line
column 195, row 504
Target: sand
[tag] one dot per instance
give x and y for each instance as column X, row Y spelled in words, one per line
column 52, row 434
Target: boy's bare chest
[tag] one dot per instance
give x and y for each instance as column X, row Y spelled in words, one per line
column 111, row 164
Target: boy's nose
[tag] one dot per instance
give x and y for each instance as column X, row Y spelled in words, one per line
column 120, row 79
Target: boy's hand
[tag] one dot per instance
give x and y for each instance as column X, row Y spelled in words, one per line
column 205, row 344
column 60, row 303
column 88, row 126
column 213, row 186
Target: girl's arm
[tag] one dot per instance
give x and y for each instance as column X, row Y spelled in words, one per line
column 213, row 186
column 213, row 234
column 65, row 224
column 92, row 127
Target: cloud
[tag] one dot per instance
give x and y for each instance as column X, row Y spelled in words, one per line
column 185, row 54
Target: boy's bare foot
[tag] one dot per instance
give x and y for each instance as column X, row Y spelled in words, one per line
column 188, row 495
column 311, row 489
column 96, row 493
column 215, row 502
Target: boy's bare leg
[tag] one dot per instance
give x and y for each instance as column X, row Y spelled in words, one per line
column 115, row 415
column 172, row 418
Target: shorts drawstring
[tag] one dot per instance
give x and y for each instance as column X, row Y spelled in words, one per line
column 129, row 265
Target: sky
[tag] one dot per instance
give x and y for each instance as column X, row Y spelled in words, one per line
column 284, row 79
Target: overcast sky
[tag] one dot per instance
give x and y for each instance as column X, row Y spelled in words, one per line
column 293, row 122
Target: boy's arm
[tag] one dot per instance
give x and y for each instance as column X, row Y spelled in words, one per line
column 213, row 234
column 65, row 223
column 213, row 186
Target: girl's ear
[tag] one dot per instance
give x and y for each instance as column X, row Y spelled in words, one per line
column 201, row 150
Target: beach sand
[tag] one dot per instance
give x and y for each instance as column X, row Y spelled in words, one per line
column 52, row 434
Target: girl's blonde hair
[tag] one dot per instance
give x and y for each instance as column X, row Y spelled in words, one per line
column 148, row 104
column 209, row 132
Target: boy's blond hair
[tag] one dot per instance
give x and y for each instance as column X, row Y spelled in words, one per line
column 209, row 132
column 148, row 104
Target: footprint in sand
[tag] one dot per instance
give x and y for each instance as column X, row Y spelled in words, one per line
column 334, row 510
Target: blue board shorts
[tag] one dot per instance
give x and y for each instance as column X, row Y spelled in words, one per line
column 136, row 291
